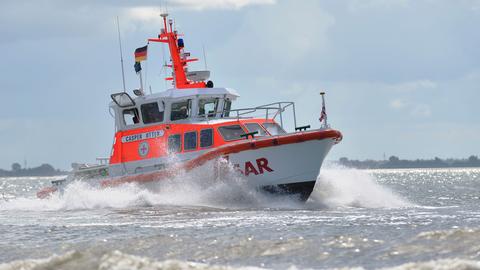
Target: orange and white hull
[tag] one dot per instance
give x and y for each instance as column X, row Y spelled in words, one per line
column 287, row 163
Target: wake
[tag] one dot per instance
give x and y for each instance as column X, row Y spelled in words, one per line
column 338, row 186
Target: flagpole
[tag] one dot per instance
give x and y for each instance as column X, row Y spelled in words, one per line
column 141, row 82
column 324, row 110
column 140, row 55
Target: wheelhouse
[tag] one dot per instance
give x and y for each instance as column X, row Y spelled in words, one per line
column 172, row 106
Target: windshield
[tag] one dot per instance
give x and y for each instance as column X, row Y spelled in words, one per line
column 230, row 133
column 252, row 127
column 208, row 106
column 181, row 110
column 274, row 128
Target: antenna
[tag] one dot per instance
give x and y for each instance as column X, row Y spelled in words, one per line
column 204, row 57
column 121, row 55
column 146, row 75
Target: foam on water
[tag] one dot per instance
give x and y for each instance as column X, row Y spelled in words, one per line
column 344, row 187
column 196, row 188
column 80, row 195
column 336, row 187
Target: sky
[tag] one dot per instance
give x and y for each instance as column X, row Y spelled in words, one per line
column 402, row 77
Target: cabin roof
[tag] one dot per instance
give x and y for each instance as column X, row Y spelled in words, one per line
column 174, row 93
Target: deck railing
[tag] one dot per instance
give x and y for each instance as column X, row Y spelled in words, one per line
column 270, row 111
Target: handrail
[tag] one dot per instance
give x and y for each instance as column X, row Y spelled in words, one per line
column 277, row 108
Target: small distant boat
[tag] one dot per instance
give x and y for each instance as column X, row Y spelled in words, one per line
column 194, row 121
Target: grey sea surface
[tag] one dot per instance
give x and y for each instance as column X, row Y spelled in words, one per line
column 355, row 219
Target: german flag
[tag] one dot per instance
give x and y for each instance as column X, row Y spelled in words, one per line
column 141, row 54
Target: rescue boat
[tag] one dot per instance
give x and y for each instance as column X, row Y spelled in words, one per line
column 194, row 122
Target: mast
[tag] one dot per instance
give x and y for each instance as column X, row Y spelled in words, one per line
column 179, row 58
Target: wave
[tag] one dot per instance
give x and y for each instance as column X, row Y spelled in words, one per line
column 441, row 264
column 338, row 186
column 117, row 260
column 451, row 234
column 114, row 260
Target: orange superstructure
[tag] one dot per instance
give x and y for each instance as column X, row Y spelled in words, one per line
column 129, row 151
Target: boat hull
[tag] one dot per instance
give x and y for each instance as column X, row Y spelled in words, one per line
column 286, row 164
column 300, row 190
column 283, row 164
column 284, row 169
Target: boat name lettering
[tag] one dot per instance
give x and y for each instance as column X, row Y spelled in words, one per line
column 260, row 168
column 143, row 136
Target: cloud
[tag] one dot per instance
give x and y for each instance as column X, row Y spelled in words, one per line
column 22, row 20
column 414, row 109
column 279, row 38
column 40, row 20
column 218, row 4
column 474, row 4
column 413, row 86
column 144, row 14
column 421, row 110
column 398, row 104
column 366, row 5
column 148, row 12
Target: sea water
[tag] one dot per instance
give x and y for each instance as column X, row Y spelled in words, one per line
column 355, row 219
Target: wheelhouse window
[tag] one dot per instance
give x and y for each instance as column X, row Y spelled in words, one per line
column 151, row 113
column 230, row 133
column 122, row 99
column 274, row 128
column 175, row 143
column 206, row 138
column 207, row 107
column 190, row 140
column 130, row 116
column 181, row 110
column 227, row 106
column 252, row 127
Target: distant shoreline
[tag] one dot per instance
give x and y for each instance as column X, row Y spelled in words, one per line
column 406, row 168
column 44, row 170
column 32, row 176
column 47, row 170
column 396, row 163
